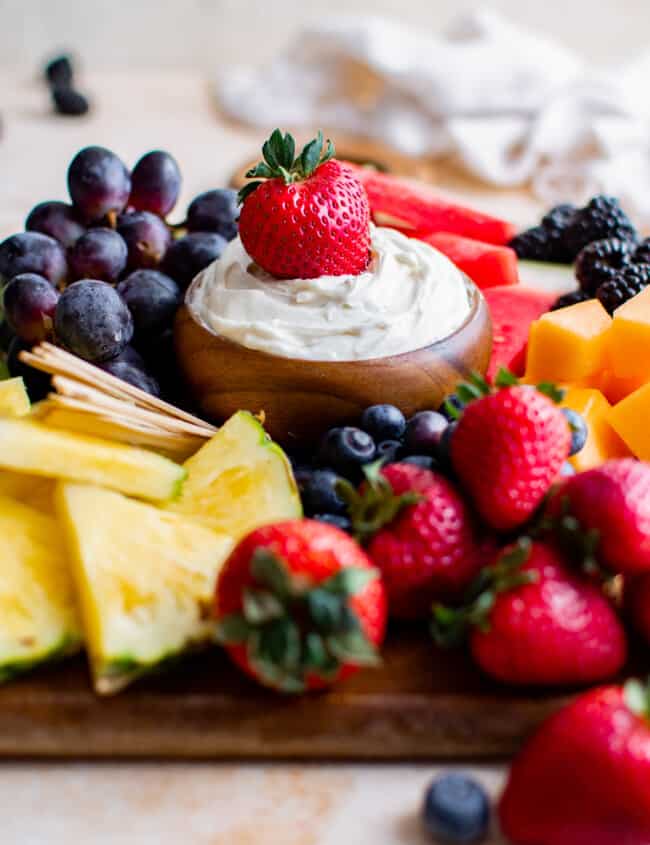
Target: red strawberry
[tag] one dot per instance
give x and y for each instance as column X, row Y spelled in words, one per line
column 534, row 622
column 584, row 777
column 508, row 449
column 299, row 606
column 611, row 503
column 423, row 537
column 309, row 217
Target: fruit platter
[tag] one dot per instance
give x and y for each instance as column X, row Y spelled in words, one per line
column 333, row 468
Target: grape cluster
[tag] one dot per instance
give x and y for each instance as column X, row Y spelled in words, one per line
column 104, row 274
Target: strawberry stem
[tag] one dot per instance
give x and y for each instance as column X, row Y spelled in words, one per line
column 280, row 161
column 292, row 629
column 449, row 625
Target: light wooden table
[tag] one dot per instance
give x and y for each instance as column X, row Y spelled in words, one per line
column 166, row 804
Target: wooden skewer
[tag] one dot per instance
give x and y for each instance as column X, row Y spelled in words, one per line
column 96, row 401
column 55, row 361
column 92, row 397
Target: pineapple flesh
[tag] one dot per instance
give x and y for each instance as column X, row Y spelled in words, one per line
column 240, row 479
column 38, row 611
column 31, row 447
column 32, row 490
column 145, row 579
column 14, row 401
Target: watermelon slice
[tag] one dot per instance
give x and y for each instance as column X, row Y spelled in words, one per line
column 487, row 265
column 513, row 309
column 409, row 205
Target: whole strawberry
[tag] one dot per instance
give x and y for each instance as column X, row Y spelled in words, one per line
column 305, row 216
column 584, row 777
column 532, row 621
column 299, row 606
column 420, row 534
column 507, row 450
column 610, row 507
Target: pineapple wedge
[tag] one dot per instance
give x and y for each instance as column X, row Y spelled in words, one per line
column 145, row 579
column 38, row 613
column 31, row 447
column 31, row 490
column 14, row 401
column 240, row 479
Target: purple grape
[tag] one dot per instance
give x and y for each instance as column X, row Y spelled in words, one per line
column 153, row 299
column 189, row 255
column 29, row 303
column 214, row 211
column 155, row 183
column 99, row 254
column 99, row 183
column 130, row 355
column 133, row 375
column 32, row 252
column 92, row 320
column 423, row 432
column 37, row 384
column 58, row 220
column 147, row 238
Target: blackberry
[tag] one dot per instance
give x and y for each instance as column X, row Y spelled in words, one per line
column 630, row 281
column 570, row 299
column 546, row 241
column 600, row 261
column 602, row 218
column 642, row 253
column 555, row 223
column 533, row 244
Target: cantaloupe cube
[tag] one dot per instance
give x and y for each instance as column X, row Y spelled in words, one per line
column 616, row 388
column 569, row 344
column 630, row 419
column 629, row 338
column 602, row 442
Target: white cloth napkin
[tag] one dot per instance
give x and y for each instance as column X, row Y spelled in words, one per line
column 513, row 105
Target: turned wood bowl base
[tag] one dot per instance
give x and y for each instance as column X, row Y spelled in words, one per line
column 301, row 399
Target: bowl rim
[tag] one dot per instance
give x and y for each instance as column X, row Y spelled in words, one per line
column 476, row 300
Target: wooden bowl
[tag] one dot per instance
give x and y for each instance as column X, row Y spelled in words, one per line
column 301, row 399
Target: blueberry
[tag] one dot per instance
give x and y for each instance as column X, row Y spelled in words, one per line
column 567, row 470
column 579, row 430
column 456, row 809
column 383, row 422
column 346, row 450
column 424, row 461
column 388, row 450
column 318, row 490
column 423, row 432
column 339, row 521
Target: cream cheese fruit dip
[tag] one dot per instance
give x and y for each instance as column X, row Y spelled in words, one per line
column 409, row 297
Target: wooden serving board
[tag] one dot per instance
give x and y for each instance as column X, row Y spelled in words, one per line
column 421, row 703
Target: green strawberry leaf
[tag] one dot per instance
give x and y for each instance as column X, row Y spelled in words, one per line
column 246, row 191
column 350, row 581
column 505, row 378
column 353, row 647
column 268, row 571
column 325, row 609
column 261, row 606
column 232, row 629
column 555, row 394
column 310, row 156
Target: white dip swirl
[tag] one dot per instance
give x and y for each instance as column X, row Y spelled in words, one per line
column 409, row 297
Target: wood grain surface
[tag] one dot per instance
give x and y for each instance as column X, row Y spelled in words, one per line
column 420, row 704
column 301, row 399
